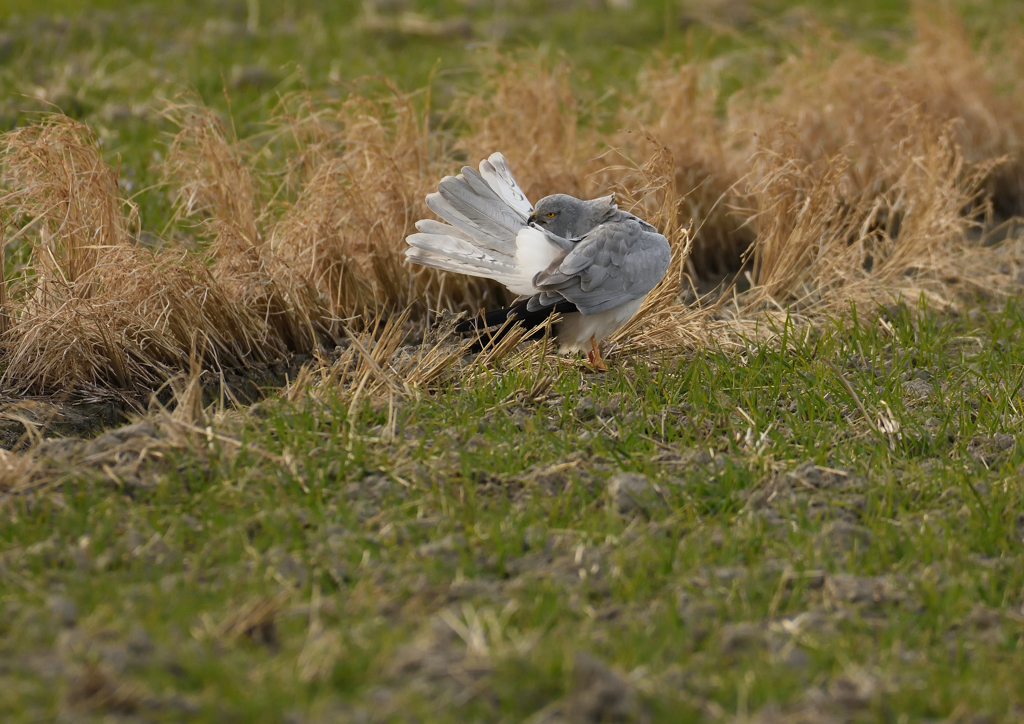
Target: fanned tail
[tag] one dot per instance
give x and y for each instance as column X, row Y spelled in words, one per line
column 487, row 233
column 498, row 175
column 486, row 207
column 485, row 211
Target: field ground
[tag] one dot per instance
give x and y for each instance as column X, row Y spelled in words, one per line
column 810, row 518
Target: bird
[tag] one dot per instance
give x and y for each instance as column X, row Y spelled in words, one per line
column 587, row 261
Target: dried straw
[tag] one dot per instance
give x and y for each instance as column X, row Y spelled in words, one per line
column 837, row 178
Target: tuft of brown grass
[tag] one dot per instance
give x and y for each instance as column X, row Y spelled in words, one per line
column 99, row 313
column 674, row 112
column 216, row 185
column 822, row 242
column 840, row 177
column 837, row 99
column 834, row 177
column 377, row 363
column 529, row 112
column 363, row 170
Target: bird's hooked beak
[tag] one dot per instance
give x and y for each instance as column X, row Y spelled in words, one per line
column 532, row 219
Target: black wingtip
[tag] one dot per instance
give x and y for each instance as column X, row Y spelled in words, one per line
column 493, row 326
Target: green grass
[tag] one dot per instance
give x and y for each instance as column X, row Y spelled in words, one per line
column 488, row 512
column 463, row 513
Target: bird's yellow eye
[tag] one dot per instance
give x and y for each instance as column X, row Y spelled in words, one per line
column 550, row 214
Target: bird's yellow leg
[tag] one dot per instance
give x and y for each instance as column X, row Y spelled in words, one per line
column 595, row 356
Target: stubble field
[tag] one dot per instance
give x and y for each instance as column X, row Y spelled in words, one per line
column 247, row 474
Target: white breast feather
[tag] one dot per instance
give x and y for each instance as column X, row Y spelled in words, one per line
column 534, row 253
column 576, row 330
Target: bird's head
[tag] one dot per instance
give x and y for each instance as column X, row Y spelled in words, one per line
column 569, row 217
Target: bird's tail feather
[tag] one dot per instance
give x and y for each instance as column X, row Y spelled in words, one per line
column 486, row 213
column 486, row 206
column 454, row 254
column 496, row 172
column 477, row 202
column 483, row 235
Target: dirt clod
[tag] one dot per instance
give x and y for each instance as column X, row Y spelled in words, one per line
column 94, row 690
column 632, row 494
column 599, row 695
column 844, row 589
column 64, row 610
column 918, row 389
column 738, row 638
column 841, row 536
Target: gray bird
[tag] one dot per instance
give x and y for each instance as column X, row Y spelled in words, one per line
column 588, row 261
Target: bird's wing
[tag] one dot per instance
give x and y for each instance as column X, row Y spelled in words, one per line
column 615, row 263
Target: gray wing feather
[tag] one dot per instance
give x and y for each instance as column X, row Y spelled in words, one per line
column 487, row 208
column 452, row 254
column 615, row 263
column 596, row 276
column 544, row 299
column 452, row 247
column 429, row 226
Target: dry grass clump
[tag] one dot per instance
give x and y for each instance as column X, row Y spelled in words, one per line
column 839, row 100
column 675, row 106
column 821, row 240
column 868, row 175
column 840, row 177
column 378, row 363
column 97, row 312
column 953, row 82
column 362, row 171
column 843, row 118
column 215, row 184
column 529, row 113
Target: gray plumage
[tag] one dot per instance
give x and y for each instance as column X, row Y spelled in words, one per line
column 590, row 253
column 618, row 258
column 569, row 217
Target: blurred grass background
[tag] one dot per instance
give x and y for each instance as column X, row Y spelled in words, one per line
column 113, row 64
